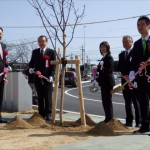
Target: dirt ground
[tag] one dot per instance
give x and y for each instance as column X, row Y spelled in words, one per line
column 38, row 138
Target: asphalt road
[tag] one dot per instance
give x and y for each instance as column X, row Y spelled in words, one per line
column 92, row 101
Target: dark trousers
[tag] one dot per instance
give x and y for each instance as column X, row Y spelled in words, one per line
column 1, row 96
column 144, row 97
column 131, row 96
column 44, row 92
column 107, row 102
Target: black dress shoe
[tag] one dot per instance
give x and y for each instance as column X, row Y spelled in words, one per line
column 128, row 124
column 141, row 130
column 138, row 125
column 2, row 121
column 48, row 117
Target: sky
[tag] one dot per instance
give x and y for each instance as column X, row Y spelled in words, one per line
column 19, row 13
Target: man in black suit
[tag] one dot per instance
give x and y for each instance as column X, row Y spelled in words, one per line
column 141, row 53
column 40, row 61
column 3, row 64
column 130, row 95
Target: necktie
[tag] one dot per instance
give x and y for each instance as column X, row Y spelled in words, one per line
column 42, row 61
column 41, row 54
column 144, row 45
column 126, row 55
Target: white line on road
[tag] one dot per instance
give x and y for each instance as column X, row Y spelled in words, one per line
column 99, row 116
column 87, row 99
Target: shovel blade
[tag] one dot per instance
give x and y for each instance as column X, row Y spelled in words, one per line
column 117, row 89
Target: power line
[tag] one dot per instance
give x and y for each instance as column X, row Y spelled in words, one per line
column 79, row 24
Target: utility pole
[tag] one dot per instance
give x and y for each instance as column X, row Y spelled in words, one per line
column 71, row 59
column 82, row 49
column 90, row 65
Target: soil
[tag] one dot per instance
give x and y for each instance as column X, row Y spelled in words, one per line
column 17, row 123
column 112, row 128
column 36, row 120
column 88, row 119
column 101, row 129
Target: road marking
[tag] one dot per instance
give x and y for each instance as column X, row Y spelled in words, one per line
column 87, row 99
column 99, row 116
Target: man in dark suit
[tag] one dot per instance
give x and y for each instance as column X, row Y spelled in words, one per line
column 40, row 61
column 3, row 64
column 130, row 95
column 141, row 53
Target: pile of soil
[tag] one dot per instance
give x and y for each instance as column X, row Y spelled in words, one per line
column 17, row 123
column 68, row 126
column 101, row 129
column 112, row 128
column 88, row 119
column 36, row 120
column 116, row 125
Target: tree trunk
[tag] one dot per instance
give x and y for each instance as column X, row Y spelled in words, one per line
column 63, row 79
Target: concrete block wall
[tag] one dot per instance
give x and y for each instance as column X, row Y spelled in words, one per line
column 17, row 93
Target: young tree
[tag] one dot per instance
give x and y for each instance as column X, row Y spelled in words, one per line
column 56, row 16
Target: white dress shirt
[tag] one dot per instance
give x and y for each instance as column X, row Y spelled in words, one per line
column 1, row 51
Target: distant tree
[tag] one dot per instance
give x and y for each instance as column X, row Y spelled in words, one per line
column 20, row 52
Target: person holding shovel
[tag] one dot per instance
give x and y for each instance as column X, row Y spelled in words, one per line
column 140, row 59
column 3, row 71
column 106, row 79
column 40, row 65
column 130, row 94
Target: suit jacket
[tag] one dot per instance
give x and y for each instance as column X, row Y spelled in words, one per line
column 106, row 77
column 138, row 56
column 35, row 62
column 3, row 62
column 124, row 63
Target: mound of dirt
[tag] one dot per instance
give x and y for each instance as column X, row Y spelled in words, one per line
column 116, row 125
column 101, row 129
column 36, row 120
column 88, row 119
column 17, row 123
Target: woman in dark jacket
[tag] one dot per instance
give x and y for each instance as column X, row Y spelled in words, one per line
column 106, row 79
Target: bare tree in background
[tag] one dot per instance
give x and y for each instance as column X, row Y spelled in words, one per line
column 20, row 52
column 56, row 16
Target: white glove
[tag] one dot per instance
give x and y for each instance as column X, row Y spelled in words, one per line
column 9, row 68
column 101, row 63
column 135, row 84
column 132, row 75
column 51, row 79
column 94, row 81
column 31, row 70
column 119, row 74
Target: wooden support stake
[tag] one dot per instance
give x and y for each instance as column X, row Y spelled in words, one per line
column 55, row 94
column 80, row 93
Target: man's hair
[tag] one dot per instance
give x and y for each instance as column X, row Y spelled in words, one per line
column 43, row 36
column 105, row 43
column 1, row 29
column 128, row 37
column 147, row 20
